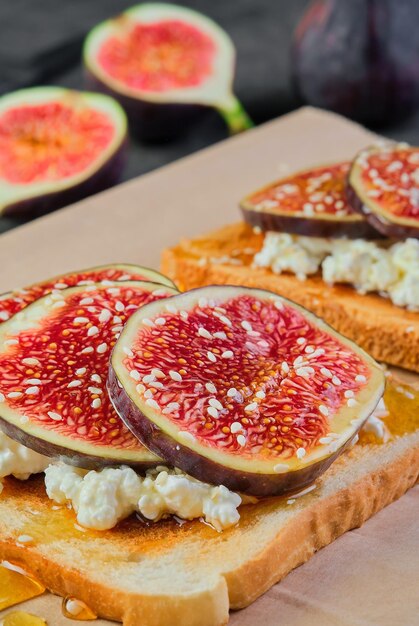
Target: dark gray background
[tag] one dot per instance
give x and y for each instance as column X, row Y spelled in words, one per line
column 40, row 42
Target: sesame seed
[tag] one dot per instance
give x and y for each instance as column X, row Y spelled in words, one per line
column 360, row 378
column 246, row 325
column 175, row 376
column 278, row 305
column 184, row 315
column 140, row 388
column 300, row 453
column 87, row 350
column 309, row 350
column 128, row 351
column 117, row 329
column 105, row 315
column 153, row 404
column 241, row 440
column 280, row 468
column 58, row 304
column 211, row 387
column 156, row 385
column 74, row 383
column 228, row 354
column 135, row 375
column 94, row 390
column 54, row 416
column 251, row 407
column 102, row 348
column 211, row 356
column 93, row 330
column 183, row 434
column 336, row 381
column 148, row 322
column 323, row 409
column 260, row 394
column 119, row 306
column 349, row 393
column 171, row 309
column 326, row 372
column 157, row 372
column 352, row 402
column 212, row 411
column 14, row 342
column 32, row 391
column 263, row 343
column 160, row 321
column 203, row 332
column 301, row 340
column 216, row 404
column 236, row 427
column 2, row 398
column 30, row 361
column 304, row 372
column 173, row 406
column 117, row 319
column 225, row 320
column 33, row 381
column 25, row 539
column 148, row 378
column 86, row 301
column 80, row 371
column 60, row 286
column 220, row 335
column 325, row 440
column 285, row 368
column 232, row 392
column 96, row 378
column 96, row 403
column 114, row 291
column 148, row 393
column 81, row 320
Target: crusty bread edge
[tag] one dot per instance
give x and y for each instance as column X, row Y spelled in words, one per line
column 383, row 337
column 320, row 524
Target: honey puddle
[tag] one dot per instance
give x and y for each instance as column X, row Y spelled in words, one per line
column 16, row 586
column 77, row 610
column 402, row 404
column 20, row 618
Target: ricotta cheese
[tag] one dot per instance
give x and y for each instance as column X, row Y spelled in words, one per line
column 102, row 498
column 392, row 271
column 18, row 461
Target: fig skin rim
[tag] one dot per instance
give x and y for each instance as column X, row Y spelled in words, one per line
column 156, row 439
column 46, row 440
column 384, row 222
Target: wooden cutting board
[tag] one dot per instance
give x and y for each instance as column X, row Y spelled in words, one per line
column 368, row 576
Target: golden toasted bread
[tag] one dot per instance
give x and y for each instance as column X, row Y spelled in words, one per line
column 388, row 332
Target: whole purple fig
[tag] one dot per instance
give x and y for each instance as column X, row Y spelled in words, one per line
column 359, row 58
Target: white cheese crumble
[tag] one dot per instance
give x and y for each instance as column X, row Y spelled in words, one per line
column 102, row 498
column 18, row 461
column 392, row 271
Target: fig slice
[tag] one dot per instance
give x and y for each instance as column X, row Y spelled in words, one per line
column 165, row 64
column 14, row 301
column 311, row 202
column 54, row 359
column 383, row 185
column 241, row 387
column 57, row 146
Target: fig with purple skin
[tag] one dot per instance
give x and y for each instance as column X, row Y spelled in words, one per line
column 54, row 359
column 383, row 185
column 241, row 387
column 312, row 203
column 14, row 301
column 56, row 147
column 165, row 64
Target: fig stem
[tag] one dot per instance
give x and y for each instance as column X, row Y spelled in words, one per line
column 234, row 115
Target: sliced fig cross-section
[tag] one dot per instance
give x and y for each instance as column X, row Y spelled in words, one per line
column 311, row 202
column 14, row 301
column 54, row 359
column 240, row 387
column 165, row 64
column 57, row 146
column 383, row 186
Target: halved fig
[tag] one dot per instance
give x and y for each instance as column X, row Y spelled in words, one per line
column 311, row 202
column 240, row 387
column 383, row 185
column 57, row 146
column 14, row 301
column 165, row 64
column 54, row 359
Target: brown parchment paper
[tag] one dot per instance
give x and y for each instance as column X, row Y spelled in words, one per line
column 370, row 575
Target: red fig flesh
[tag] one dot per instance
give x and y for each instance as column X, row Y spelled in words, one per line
column 240, row 387
column 54, row 358
column 57, row 146
column 384, row 186
column 14, row 301
column 310, row 203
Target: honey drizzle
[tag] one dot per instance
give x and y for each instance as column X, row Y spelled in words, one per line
column 20, row 618
column 17, row 586
column 77, row 610
column 402, row 403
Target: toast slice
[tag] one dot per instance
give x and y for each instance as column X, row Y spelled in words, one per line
column 170, row 573
column 388, row 332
